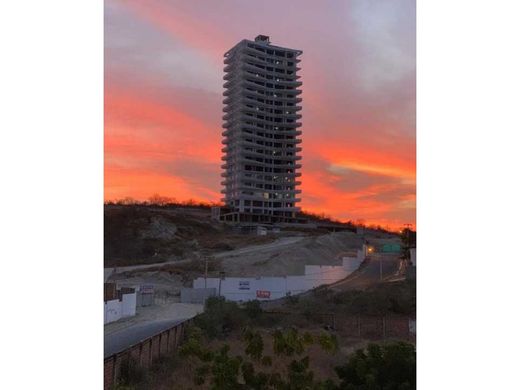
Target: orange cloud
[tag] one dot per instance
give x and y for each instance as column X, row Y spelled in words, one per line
column 141, row 184
column 147, row 128
column 390, row 162
column 160, row 137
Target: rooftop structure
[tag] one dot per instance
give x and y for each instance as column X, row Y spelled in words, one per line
column 261, row 132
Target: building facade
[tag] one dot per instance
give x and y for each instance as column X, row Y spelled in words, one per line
column 261, row 134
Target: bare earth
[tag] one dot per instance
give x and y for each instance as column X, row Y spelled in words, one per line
column 286, row 254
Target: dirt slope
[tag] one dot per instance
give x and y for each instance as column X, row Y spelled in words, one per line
column 289, row 255
column 145, row 235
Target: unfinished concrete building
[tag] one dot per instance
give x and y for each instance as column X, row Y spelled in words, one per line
column 261, row 132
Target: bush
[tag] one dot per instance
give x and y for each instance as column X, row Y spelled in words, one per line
column 395, row 298
column 328, row 342
column 226, row 372
column 220, row 317
column 253, row 309
column 255, row 344
column 130, row 373
column 292, row 299
column 390, row 367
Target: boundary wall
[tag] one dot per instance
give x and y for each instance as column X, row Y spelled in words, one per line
column 116, row 309
column 145, row 352
column 199, row 295
column 276, row 287
column 370, row 327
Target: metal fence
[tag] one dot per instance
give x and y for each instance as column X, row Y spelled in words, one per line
column 369, row 327
column 362, row 326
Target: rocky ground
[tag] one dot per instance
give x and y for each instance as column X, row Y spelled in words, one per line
column 168, row 247
column 136, row 235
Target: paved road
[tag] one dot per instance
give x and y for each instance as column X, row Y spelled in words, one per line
column 119, row 341
column 369, row 273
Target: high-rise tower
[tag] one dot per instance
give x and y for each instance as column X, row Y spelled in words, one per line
column 261, row 132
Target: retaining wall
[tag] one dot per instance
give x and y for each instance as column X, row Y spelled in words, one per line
column 270, row 288
column 144, row 353
column 117, row 309
column 196, row 295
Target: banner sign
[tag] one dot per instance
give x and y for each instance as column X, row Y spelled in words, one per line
column 263, row 294
column 243, row 285
column 146, row 289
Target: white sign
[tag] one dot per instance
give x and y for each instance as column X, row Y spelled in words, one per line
column 243, row 285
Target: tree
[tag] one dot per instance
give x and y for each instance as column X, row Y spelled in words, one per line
column 253, row 309
column 288, row 343
column 389, row 367
column 328, row 342
column 255, row 344
column 220, row 316
column 159, row 200
column 127, row 201
column 225, row 372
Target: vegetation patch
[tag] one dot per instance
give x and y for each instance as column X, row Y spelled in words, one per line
column 396, row 298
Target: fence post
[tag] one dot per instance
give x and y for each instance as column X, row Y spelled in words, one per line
column 384, row 327
column 140, row 354
column 114, row 379
column 359, row 325
column 150, row 352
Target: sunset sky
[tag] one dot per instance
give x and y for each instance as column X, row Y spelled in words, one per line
column 163, row 99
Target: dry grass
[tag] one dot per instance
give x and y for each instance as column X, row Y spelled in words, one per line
column 180, row 375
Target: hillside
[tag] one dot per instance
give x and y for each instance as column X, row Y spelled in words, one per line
column 145, row 234
column 181, row 236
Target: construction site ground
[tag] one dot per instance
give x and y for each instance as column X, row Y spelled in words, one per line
column 182, row 241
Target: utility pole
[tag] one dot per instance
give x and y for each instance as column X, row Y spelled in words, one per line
column 205, row 272
column 222, row 276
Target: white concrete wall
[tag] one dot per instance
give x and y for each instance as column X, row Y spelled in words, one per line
column 197, row 295
column 116, row 309
column 245, row 289
column 128, row 304
column 112, row 311
column 350, row 264
column 324, row 274
column 210, row 283
column 299, row 284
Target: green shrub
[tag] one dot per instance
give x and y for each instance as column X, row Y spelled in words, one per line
column 220, row 317
column 328, row 342
column 288, row 343
column 253, row 309
column 130, row 373
column 391, row 367
column 255, row 344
